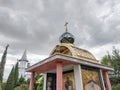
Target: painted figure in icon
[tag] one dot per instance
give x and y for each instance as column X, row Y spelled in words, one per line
column 49, row 83
column 92, row 85
column 68, row 84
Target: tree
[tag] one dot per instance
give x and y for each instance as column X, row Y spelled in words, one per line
column 105, row 60
column 10, row 81
column 22, row 80
column 40, row 86
column 16, row 74
column 36, row 78
column 2, row 63
column 114, row 61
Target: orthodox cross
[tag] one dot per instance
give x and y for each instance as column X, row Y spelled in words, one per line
column 66, row 26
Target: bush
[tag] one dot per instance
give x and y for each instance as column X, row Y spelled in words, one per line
column 115, row 80
column 3, row 85
column 117, row 87
column 113, row 88
column 40, row 86
column 17, row 88
column 0, row 87
column 22, row 87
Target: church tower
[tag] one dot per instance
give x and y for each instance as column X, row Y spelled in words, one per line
column 23, row 63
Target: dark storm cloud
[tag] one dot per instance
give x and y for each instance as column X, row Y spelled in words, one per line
column 37, row 24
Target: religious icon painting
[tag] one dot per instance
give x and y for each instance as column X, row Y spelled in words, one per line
column 68, row 80
column 91, row 78
column 51, row 81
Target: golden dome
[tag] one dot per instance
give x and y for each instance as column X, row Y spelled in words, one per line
column 67, row 48
column 70, row 50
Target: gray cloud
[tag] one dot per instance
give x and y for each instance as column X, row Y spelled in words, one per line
column 37, row 25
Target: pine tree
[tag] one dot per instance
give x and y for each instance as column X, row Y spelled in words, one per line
column 2, row 64
column 22, row 80
column 10, row 81
column 16, row 73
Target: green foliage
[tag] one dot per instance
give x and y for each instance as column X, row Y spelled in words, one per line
column 37, row 76
column 113, row 88
column 18, row 87
column 10, row 81
column 0, row 86
column 115, row 80
column 3, row 85
column 106, row 60
column 2, row 64
column 117, row 87
column 114, row 61
column 28, row 81
column 21, row 81
column 16, row 74
column 40, row 86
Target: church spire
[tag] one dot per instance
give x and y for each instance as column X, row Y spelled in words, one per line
column 24, row 57
column 23, row 64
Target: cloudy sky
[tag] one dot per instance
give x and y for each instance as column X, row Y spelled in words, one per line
column 36, row 25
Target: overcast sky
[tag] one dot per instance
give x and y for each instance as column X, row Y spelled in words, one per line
column 36, row 25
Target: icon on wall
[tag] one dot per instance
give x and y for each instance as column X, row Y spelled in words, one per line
column 68, row 79
column 91, row 79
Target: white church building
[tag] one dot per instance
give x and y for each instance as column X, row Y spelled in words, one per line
column 24, row 63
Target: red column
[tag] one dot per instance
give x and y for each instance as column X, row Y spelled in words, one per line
column 59, row 76
column 31, row 87
column 107, row 81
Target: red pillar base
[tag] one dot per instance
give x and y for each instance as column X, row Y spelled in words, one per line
column 59, row 76
column 107, row 81
column 31, row 87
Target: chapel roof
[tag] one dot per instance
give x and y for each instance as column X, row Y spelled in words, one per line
column 71, row 50
column 66, row 47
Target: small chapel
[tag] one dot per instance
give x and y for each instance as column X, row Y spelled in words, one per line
column 71, row 68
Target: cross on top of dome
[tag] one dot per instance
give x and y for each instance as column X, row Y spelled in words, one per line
column 67, row 37
column 66, row 26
